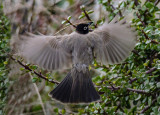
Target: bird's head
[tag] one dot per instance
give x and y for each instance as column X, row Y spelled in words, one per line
column 83, row 28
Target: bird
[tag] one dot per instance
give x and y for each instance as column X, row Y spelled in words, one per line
column 110, row 43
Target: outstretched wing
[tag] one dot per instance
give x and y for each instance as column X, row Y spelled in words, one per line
column 113, row 42
column 48, row 52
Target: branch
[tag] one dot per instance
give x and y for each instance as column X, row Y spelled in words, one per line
column 151, row 70
column 136, row 2
column 70, row 23
column 39, row 96
column 38, row 74
column 128, row 89
column 135, row 52
column 149, row 106
column 143, row 23
column 87, row 16
column 31, row 19
column 146, row 36
column 156, row 3
column 137, row 91
column 132, row 80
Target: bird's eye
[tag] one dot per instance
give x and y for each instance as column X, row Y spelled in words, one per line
column 85, row 28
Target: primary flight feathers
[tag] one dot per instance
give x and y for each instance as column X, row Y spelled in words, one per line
column 111, row 44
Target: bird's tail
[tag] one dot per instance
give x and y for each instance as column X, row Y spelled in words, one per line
column 76, row 87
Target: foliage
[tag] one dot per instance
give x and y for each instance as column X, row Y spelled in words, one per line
column 132, row 87
column 4, row 48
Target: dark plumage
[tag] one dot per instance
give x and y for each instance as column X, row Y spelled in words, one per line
column 83, row 28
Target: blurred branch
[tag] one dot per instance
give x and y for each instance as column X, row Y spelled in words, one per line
column 113, row 8
column 135, row 52
column 151, row 70
column 30, row 22
column 71, row 23
column 39, row 96
column 87, row 16
column 128, row 89
column 146, row 36
column 38, row 74
column 156, row 3
column 143, row 23
column 149, row 106
column 132, row 80
column 136, row 2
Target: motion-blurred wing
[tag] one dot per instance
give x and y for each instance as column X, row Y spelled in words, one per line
column 48, row 52
column 113, row 42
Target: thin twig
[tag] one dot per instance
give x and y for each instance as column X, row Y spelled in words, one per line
column 156, row 3
column 71, row 23
column 132, row 80
column 149, row 106
column 88, row 18
column 39, row 96
column 31, row 19
column 128, row 89
column 38, row 74
column 151, row 70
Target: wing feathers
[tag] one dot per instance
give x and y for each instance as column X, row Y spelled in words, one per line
column 113, row 41
column 49, row 52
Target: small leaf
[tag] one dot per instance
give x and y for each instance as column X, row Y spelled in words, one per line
column 82, row 7
column 81, row 16
column 139, row 96
column 6, row 62
column 34, row 79
column 63, row 111
column 91, row 11
column 149, row 101
column 69, row 18
column 56, row 110
column 64, row 22
column 158, row 84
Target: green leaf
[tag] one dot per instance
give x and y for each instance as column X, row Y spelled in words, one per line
column 139, row 96
column 158, row 84
column 63, row 111
column 56, row 110
column 158, row 99
column 69, row 18
column 149, row 101
column 64, row 22
column 90, row 11
column 82, row 7
column 81, row 16
column 34, row 79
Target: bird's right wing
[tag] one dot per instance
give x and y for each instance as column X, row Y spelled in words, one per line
column 113, row 42
column 48, row 52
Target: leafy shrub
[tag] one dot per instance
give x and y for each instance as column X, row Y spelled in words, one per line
column 4, row 49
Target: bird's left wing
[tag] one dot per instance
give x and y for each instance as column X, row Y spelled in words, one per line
column 112, row 42
column 48, row 52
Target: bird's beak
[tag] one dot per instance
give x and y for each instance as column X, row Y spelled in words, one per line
column 89, row 25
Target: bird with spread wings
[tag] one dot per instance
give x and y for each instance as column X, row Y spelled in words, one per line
column 110, row 43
